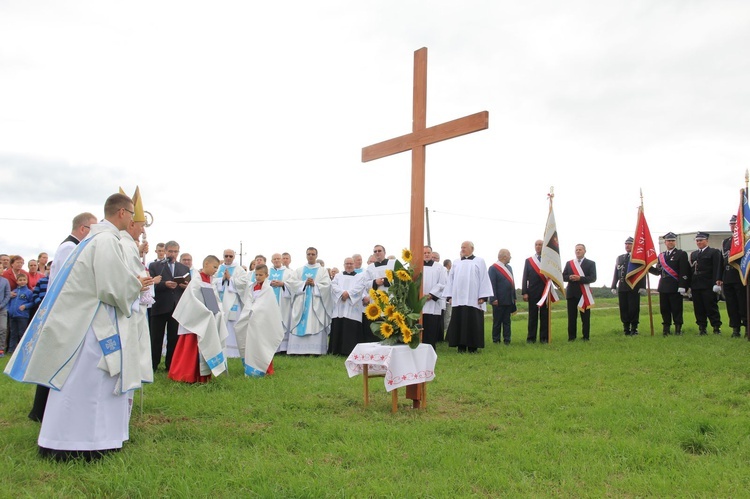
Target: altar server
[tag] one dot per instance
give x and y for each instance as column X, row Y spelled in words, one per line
column 347, row 289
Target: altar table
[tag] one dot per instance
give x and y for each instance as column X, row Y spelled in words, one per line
column 399, row 365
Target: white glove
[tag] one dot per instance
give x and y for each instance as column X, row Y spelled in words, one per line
column 681, row 291
column 717, row 289
column 614, row 291
column 642, row 292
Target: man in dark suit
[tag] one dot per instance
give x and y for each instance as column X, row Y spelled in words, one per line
column 674, row 271
column 503, row 299
column 735, row 293
column 579, row 273
column 706, row 283
column 167, row 295
column 533, row 283
column 628, row 298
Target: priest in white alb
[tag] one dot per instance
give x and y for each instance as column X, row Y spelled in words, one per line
column 376, row 279
column 278, row 276
column 311, row 308
column 231, row 280
column 75, row 344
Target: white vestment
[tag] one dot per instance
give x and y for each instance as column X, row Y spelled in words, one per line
column 434, row 278
column 311, row 311
column 231, row 301
column 79, row 345
column 468, row 281
column 374, row 272
column 284, row 300
column 139, row 321
column 350, row 308
column 194, row 317
column 259, row 330
column 62, row 254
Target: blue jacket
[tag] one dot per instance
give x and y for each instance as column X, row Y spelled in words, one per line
column 40, row 291
column 4, row 293
column 24, row 296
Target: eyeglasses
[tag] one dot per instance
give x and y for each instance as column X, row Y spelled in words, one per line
column 228, row 256
column 87, row 227
column 378, row 251
column 131, row 212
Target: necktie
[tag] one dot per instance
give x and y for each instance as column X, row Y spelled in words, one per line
column 171, row 268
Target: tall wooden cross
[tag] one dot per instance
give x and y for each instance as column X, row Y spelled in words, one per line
column 416, row 141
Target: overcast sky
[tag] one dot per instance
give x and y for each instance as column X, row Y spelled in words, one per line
column 244, row 121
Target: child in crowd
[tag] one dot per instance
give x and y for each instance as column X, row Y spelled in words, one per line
column 18, row 311
column 4, row 300
column 203, row 331
column 259, row 329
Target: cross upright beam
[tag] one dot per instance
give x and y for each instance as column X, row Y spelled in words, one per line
column 416, row 141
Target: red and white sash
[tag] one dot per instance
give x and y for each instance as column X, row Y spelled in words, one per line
column 587, row 299
column 548, row 286
column 500, row 266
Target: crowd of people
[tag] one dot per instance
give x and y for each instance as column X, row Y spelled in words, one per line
column 93, row 325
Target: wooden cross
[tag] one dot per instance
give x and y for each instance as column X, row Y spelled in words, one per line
column 416, row 141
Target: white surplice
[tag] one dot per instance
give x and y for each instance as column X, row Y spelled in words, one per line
column 352, row 307
column 468, row 281
column 434, row 279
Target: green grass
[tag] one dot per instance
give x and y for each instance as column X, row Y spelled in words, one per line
column 619, row 416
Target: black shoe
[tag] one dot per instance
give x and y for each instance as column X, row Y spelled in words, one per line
column 634, row 333
column 702, row 332
column 530, row 342
column 571, row 339
column 678, row 329
column 585, row 339
column 717, row 330
column 736, row 332
column 507, row 342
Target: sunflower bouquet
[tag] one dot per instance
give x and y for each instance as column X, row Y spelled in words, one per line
column 396, row 313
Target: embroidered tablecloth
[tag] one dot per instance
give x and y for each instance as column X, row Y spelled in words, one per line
column 401, row 365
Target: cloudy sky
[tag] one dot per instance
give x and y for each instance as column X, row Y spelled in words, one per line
column 244, row 121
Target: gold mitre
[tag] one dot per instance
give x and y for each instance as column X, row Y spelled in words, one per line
column 139, row 216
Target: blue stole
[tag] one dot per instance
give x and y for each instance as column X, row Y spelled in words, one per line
column 302, row 326
column 220, row 272
column 276, row 275
column 216, row 360
column 31, row 337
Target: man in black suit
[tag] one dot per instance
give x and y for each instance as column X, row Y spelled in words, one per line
column 735, row 293
column 533, row 283
column 628, row 298
column 706, row 283
column 579, row 273
column 674, row 271
column 167, row 295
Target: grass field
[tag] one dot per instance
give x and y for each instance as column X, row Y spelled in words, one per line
column 618, row 416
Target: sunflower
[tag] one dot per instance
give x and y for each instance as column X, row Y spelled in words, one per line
column 407, row 335
column 398, row 318
column 386, row 330
column 406, row 255
column 383, row 297
column 389, row 311
column 372, row 311
column 373, row 294
column 403, row 275
column 389, row 275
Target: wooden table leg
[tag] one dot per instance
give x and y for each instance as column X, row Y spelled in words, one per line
column 394, row 395
column 366, row 376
